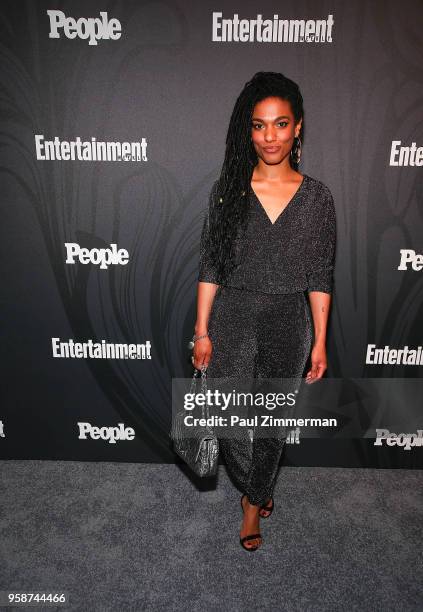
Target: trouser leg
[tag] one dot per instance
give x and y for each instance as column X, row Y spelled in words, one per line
column 266, row 454
column 231, row 330
column 284, row 342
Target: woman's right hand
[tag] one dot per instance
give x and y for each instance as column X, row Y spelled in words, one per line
column 202, row 352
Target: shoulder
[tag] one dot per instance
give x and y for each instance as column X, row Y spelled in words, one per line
column 319, row 188
column 320, row 196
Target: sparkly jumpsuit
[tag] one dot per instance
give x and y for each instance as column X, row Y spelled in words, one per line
column 260, row 323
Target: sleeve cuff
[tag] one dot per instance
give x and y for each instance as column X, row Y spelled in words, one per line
column 321, row 280
column 207, row 278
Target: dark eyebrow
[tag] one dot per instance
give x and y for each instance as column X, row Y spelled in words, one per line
column 277, row 118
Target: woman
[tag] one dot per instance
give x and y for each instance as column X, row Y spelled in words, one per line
column 268, row 240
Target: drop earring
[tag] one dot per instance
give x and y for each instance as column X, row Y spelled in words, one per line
column 297, row 148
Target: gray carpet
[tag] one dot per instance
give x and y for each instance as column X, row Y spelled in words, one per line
column 124, row 536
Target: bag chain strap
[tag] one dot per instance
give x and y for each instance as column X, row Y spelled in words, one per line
column 205, row 411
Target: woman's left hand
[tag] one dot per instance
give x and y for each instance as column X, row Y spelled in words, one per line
column 318, row 363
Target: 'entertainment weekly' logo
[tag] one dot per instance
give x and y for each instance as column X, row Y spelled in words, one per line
column 394, row 356
column 89, row 150
column 98, row 257
column 405, row 156
column 99, row 350
column 90, row 28
column 109, row 434
column 404, row 440
column 275, row 30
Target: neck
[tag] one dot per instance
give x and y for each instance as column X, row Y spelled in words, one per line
column 274, row 172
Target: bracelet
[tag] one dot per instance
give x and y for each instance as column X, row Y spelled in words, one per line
column 194, row 339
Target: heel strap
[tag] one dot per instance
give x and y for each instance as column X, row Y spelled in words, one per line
column 268, row 507
column 253, row 536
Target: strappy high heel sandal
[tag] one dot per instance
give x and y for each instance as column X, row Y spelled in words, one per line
column 268, row 509
column 253, row 536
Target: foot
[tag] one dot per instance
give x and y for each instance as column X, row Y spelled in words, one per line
column 250, row 523
column 265, row 513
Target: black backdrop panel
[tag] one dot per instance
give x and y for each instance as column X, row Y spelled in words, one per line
column 166, row 89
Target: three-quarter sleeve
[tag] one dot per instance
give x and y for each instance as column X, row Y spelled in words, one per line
column 322, row 260
column 207, row 270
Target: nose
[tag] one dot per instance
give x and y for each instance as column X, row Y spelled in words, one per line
column 270, row 133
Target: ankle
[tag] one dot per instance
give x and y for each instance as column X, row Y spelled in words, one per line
column 250, row 506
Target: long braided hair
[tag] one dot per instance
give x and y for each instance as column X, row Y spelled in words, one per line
column 229, row 213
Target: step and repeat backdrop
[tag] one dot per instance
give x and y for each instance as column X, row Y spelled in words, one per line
column 113, row 125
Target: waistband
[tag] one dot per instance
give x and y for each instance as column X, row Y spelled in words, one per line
column 250, row 290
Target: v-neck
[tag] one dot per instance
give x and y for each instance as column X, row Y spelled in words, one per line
column 272, row 223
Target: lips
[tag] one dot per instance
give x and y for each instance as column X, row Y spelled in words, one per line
column 271, row 149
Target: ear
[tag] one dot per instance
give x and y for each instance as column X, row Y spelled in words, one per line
column 298, row 127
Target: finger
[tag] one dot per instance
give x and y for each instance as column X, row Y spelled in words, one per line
column 312, row 375
column 314, row 370
column 201, row 360
column 318, row 372
column 321, row 370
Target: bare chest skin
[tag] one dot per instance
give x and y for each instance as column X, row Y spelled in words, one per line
column 274, row 198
